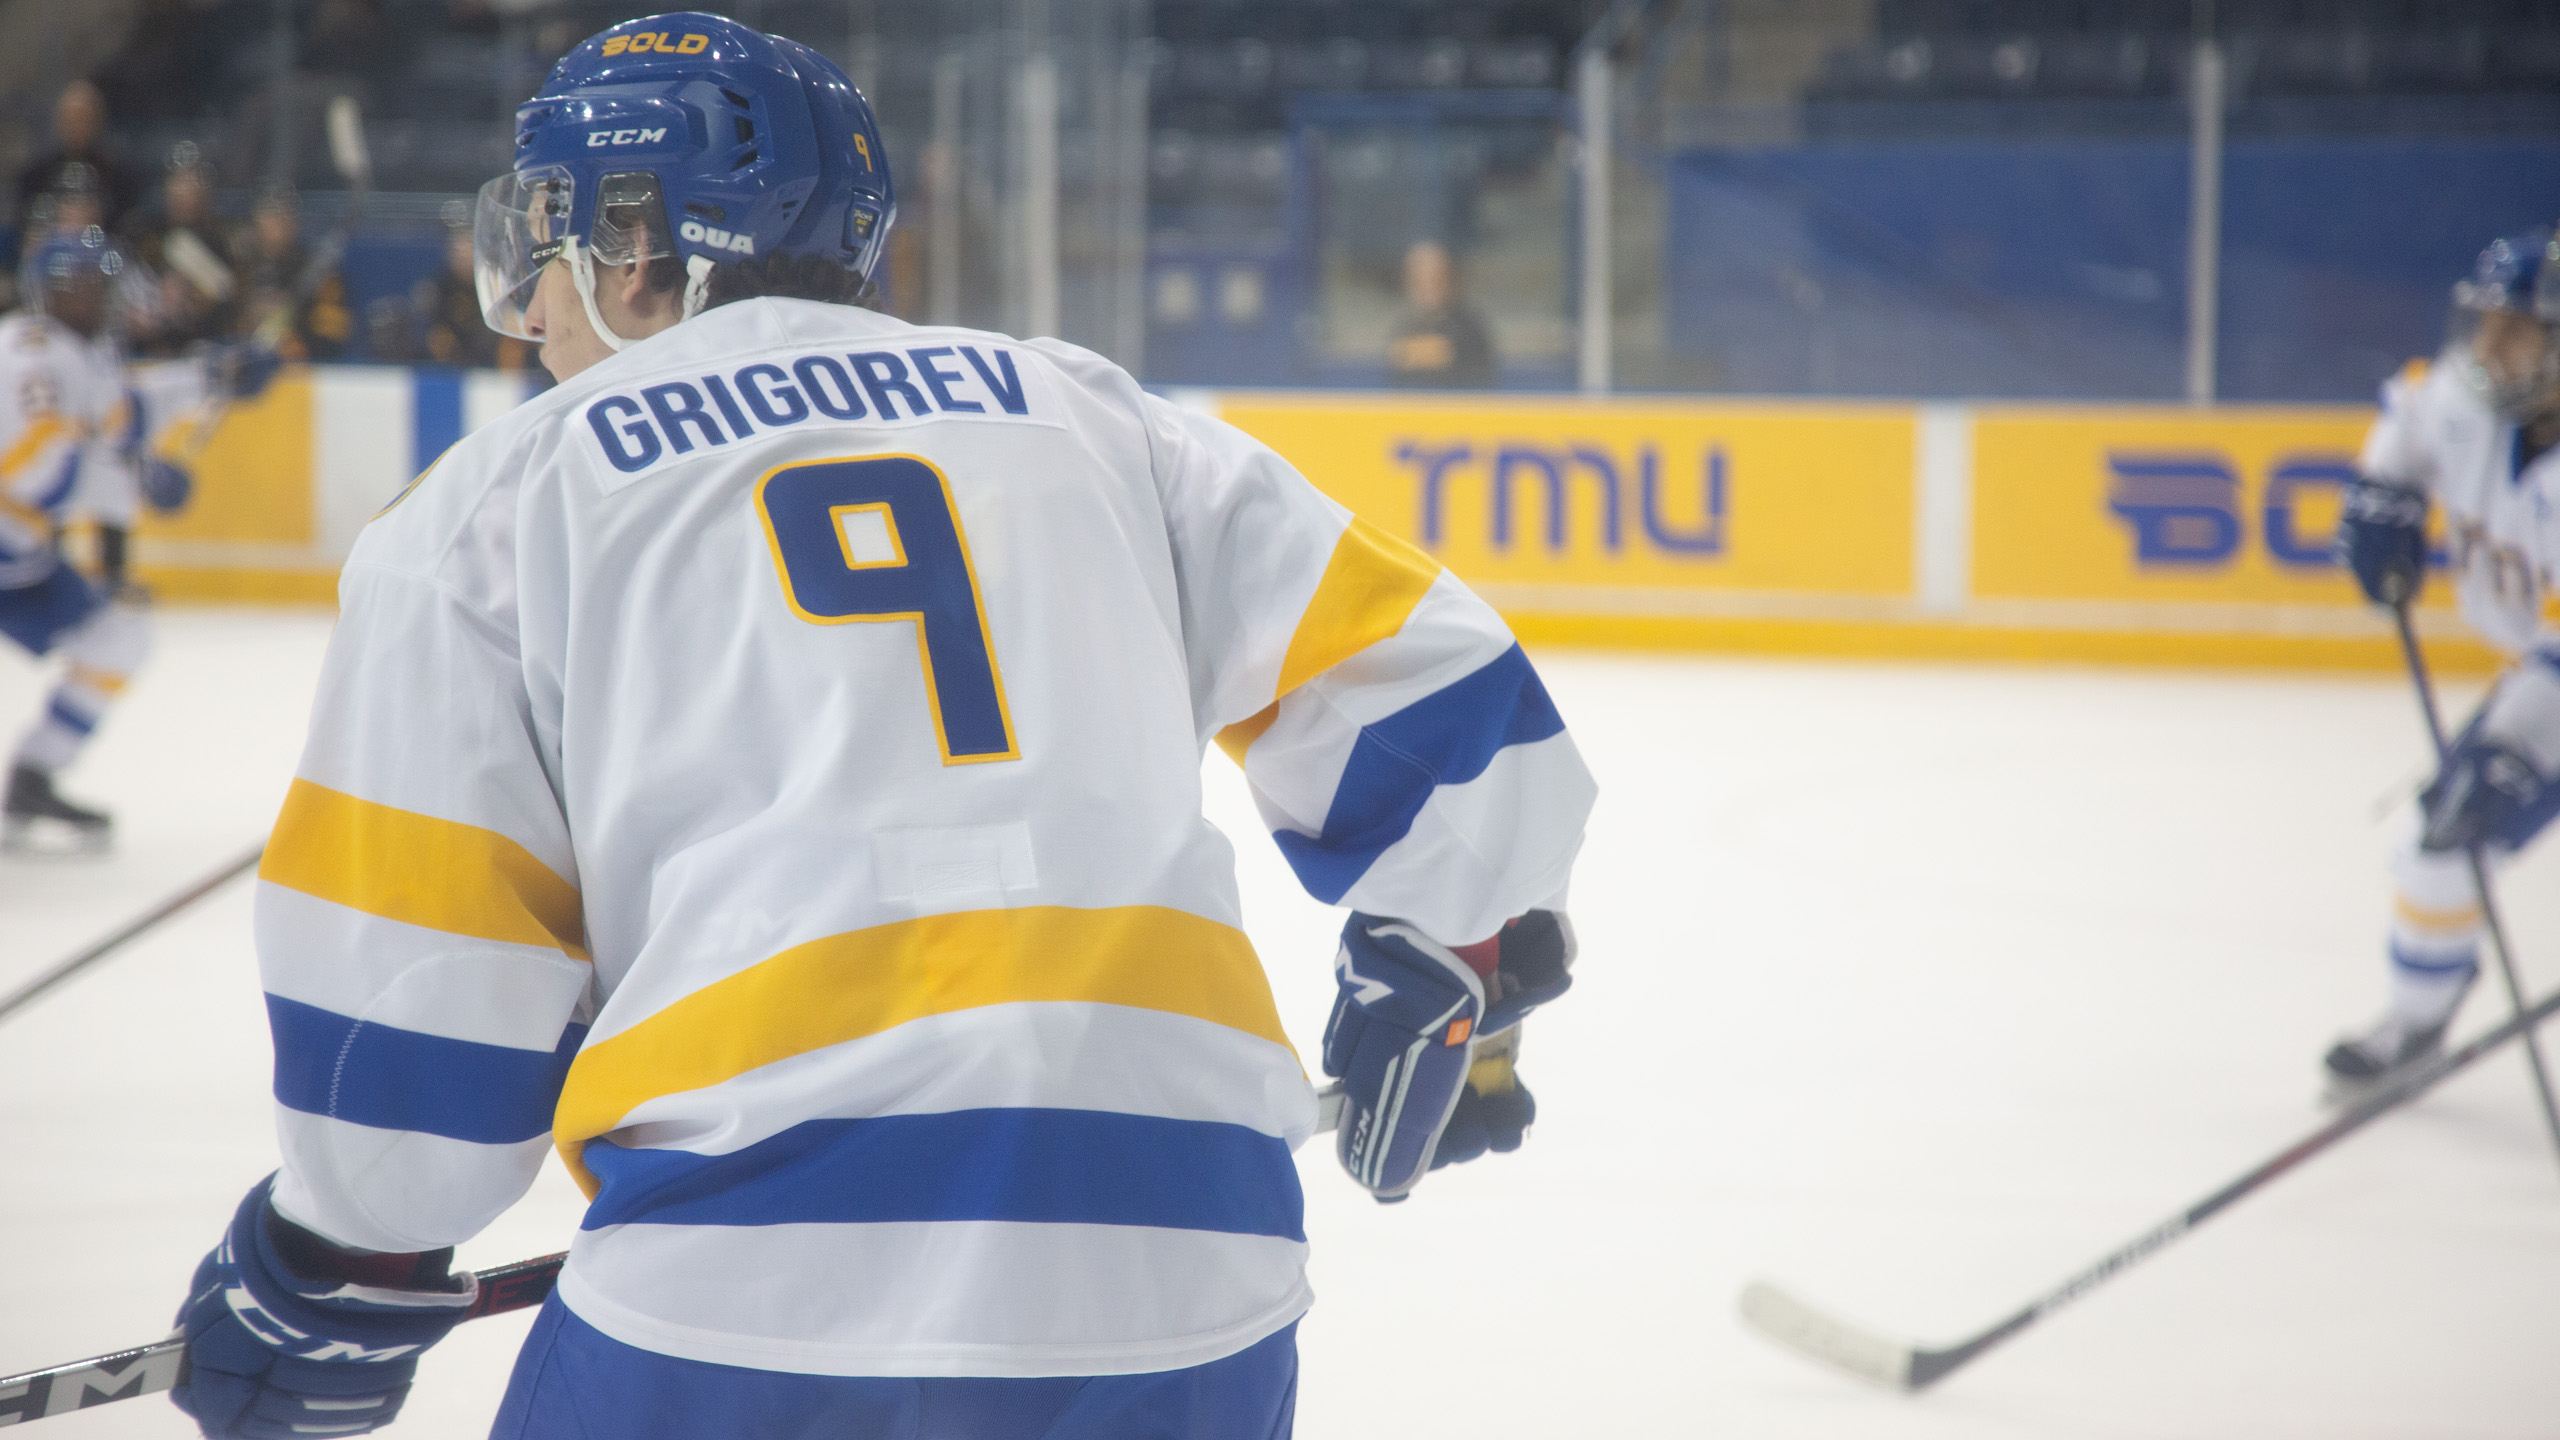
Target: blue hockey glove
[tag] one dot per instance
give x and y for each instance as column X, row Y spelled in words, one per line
column 1403, row 1040
column 243, row 370
column 2476, row 798
column 290, row 1336
column 2382, row 537
column 2496, row 787
column 166, row 485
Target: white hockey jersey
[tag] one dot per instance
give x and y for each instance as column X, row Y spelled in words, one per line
column 767, row 768
column 2502, row 537
column 68, row 435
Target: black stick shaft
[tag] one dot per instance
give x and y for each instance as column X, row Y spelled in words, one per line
column 2489, row 919
column 150, row 1369
column 67, row 968
column 1932, row 1365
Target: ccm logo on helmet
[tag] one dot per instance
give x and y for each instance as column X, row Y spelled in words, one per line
column 659, row 41
column 625, row 137
column 701, row 234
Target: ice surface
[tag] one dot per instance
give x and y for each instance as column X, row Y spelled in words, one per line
column 1915, row 987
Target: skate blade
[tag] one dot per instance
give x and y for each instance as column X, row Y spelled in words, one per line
column 44, row 840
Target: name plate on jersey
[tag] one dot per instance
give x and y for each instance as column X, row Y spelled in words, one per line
column 673, row 420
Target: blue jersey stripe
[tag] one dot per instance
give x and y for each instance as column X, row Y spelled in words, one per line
column 394, row 1079
column 60, row 713
column 1446, row 738
column 64, row 477
column 1085, row 1167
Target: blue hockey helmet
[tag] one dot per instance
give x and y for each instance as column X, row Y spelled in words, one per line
column 2506, row 274
column 67, row 257
column 682, row 136
column 67, row 260
column 2503, row 343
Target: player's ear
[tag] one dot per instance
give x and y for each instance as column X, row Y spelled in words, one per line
column 631, row 285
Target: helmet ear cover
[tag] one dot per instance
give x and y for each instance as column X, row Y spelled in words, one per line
column 631, row 219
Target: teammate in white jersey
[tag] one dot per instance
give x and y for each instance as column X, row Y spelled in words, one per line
column 2475, row 433
column 71, row 445
column 766, row 768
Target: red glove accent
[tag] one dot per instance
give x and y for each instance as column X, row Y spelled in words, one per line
column 1484, row 956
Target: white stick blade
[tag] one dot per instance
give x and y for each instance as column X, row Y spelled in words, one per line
column 1798, row 1326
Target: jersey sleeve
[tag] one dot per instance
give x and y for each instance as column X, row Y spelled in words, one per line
column 1398, row 742
column 39, row 461
column 110, row 474
column 2395, row 448
column 419, row 929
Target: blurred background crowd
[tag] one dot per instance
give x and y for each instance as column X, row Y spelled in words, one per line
column 2249, row 200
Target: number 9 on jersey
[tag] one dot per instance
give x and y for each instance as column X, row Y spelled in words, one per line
column 878, row 539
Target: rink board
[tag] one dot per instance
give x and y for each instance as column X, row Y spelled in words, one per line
column 2132, row 534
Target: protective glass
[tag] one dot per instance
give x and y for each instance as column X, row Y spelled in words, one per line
column 523, row 218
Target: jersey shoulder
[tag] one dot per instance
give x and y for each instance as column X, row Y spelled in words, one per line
column 456, row 517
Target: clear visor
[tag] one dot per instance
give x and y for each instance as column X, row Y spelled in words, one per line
column 2508, row 357
column 523, row 219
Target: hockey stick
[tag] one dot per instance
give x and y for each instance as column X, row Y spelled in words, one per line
column 150, row 1369
column 112, row 943
column 1904, row 1366
column 2479, row 874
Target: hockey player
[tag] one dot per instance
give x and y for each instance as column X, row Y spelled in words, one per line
column 766, row 769
column 70, row 444
column 2475, row 433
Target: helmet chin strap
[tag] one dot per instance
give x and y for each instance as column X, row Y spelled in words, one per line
column 697, row 284
column 582, row 270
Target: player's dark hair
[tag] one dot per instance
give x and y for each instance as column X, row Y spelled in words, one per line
column 787, row 277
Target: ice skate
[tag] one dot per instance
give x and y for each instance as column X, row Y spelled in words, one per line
column 2360, row 1065
column 38, row 821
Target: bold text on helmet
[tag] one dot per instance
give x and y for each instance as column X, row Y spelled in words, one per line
column 659, row 41
column 596, row 138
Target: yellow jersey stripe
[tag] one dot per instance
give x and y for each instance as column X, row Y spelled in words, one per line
column 27, row 517
column 863, row 982
column 1239, row 737
column 105, row 682
column 1369, row 588
column 1367, row 592
column 2419, row 917
column 31, row 443
column 419, row 870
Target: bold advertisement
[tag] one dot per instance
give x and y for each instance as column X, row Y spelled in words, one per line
column 2162, row 505
column 1570, row 496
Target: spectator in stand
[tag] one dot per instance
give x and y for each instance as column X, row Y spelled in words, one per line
column 448, row 310
column 1439, row 342
column 292, row 303
column 184, row 247
column 80, row 138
